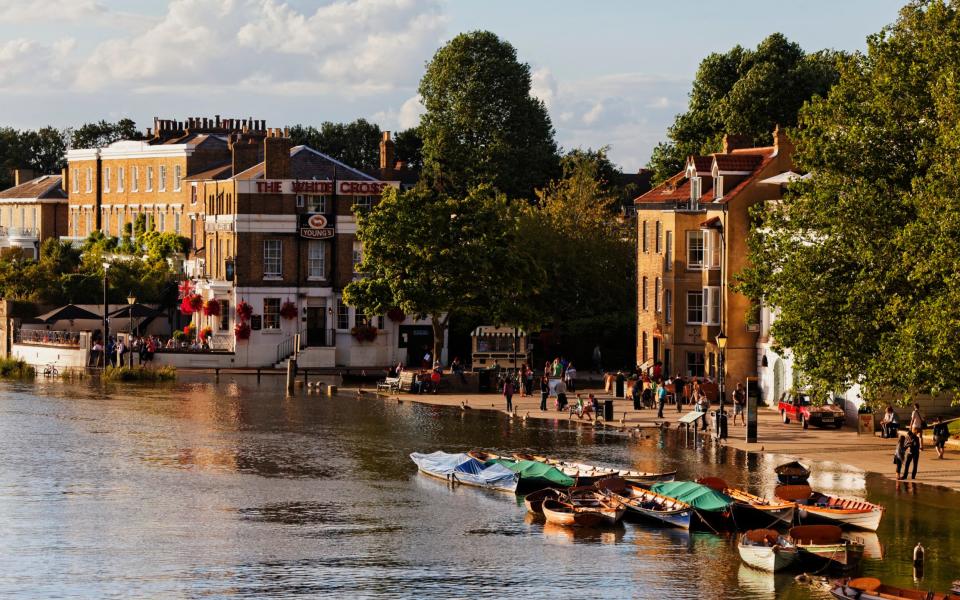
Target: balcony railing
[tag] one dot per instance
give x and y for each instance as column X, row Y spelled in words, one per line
column 20, row 232
column 45, row 337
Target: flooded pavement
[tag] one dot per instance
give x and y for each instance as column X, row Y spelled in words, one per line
column 231, row 490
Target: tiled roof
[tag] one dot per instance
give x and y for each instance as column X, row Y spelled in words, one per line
column 677, row 188
column 737, row 162
column 43, row 187
column 221, row 171
column 703, row 163
column 307, row 163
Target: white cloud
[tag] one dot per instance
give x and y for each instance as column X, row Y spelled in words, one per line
column 543, row 85
column 410, row 113
column 25, row 11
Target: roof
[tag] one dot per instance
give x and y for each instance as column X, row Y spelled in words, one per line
column 308, row 163
column 743, row 160
column 40, row 188
column 221, row 171
column 737, row 162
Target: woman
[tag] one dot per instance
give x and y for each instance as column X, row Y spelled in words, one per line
column 913, row 455
column 544, row 392
column 508, row 393
column 889, row 424
column 916, row 422
column 528, row 380
column 571, row 376
column 899, row 453
column 941, row 433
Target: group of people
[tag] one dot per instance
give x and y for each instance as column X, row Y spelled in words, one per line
column 906, row 455
column 651, row 389
column 116, row 351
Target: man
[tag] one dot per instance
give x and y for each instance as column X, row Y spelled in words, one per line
column 661, row 397
column 941, row 433
column 916, row 422
column 635, row 394
column 913, row 455
column 561, row 391
column 739, row 404
column 679, row 392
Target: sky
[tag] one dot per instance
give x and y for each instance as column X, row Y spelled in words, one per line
column 612, row 73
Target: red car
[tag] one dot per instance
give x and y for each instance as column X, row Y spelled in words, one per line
column 798, row 406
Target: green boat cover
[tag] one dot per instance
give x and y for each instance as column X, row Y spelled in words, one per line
column 699, row 496
column 536, row 472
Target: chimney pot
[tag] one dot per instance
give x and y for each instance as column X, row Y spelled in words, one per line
column 217, row 117
column 735, row 141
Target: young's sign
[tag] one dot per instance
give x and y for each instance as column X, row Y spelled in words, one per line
column 315, row 227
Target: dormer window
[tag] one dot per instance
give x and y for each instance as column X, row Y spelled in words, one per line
column 695, row 193
column 718, row 187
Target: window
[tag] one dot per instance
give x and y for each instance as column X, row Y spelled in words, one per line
column 76, row 181
column 121, row 178
column 317, row 204
column 718, row 187
column 668, row 255
column 711, row 249
column 668, row 305
column 359, row 318
column 193, row 193
column 162, row 221
column 89, row 180
column 271, row 313
column 299, row 200
column 343, row 315
column 362, row 202
column 135, row 182
column 149, row 179
column 176, row 178
column 695, row 249
column 272, row 255
column 88, row 215
column 106, row 179
column 711, row 305
column 643, row 294
column 148, row 222
column 224, row 315
column 657, row 300
column 657, row 234
column 357, row 256
column 121, row 221
column 176, row 223
column 316, row 259
column 645, row 243
column 694, row 193
column 74, row 226
column 694, row 364
column 643, row 346
column 104, row 220
column 163, row 178
column 694, row 308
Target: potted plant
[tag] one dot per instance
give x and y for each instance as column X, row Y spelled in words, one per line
column 364, row 333
column 242, row 331
column 211, row 308
column 288, row 310
column 205, row 333
column 189, row 331
column 244, row 311
column 185, row 306
column 396, row 315
column 196, row 302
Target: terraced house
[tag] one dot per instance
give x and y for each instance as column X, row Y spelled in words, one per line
column 692, row 241
column 31, row 211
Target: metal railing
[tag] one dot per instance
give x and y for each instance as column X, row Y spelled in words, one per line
column 285, row 348
column 22, row 232
column 45, row 337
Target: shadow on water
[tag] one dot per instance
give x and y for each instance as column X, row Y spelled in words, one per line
column 232, row 489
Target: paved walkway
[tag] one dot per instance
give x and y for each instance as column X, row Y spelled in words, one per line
column 869, row 453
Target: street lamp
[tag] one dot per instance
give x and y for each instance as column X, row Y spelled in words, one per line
column 722, row 346
column 131, row 300
column 106, row 324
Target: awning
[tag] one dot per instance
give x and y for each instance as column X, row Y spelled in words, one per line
column 784, row 178
column 70, row 312
column 135, row 311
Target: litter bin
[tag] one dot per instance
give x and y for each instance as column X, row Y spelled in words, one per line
column 608, row 410
column 720, row 424
column 621, row 380
column 483, row 381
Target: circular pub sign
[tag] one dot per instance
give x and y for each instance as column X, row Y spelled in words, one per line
column 315, row 227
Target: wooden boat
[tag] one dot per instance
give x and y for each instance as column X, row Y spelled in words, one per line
column 816, row 507
column 871, row 588
column 465, row 470
column 482, row 455
column 561, row 513
column 587, row 474
column 792, row 473
column 767, row 550
column 749, row 509
column 534, row 501
column 652, row 505
column 825, row 544
column 611, row 509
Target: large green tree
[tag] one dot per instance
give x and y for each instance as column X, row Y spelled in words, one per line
column 481, row 125
column 103, row 133
column 356, row 144
column 444, row 256
column 862, row 260
column 745, row 92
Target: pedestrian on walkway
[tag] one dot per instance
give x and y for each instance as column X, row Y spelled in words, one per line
column 570, row 375
column 635, row 394
column 544, row 392
column 916, row 422
column 528, row 380
column 941, row 433
column 739, row 403
column 561, row 391
column 679, row 385
column 913, row 455
column 661, row 398
column 508, row 393
column 899, row 453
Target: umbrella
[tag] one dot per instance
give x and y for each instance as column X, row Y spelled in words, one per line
column 134, row 311
column 70, row 312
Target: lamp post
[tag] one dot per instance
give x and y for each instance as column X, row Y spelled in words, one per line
column 131, row 300
column 106, row 323
column 722, row 346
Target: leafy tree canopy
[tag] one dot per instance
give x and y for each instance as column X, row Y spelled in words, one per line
column 103, row 133
column 745, row 92
column 861, row 260
column 481, row 124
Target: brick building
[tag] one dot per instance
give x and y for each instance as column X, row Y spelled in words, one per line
column 692, row 241
column 31, row 211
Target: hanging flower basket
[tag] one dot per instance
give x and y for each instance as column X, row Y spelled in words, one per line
column 189, row 331
column 211, row 308
column 288, row 310
column 244, row 311
column 242, row 331
column 185, row 306
column 364, row 333
column 206, row 332
column 396, row 315
column 196, row 302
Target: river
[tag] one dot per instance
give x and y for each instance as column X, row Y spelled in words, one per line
column 193, row 490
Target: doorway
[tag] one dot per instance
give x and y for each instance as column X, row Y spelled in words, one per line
column 317, row 326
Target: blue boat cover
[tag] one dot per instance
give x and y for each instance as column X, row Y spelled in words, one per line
column 465, row 469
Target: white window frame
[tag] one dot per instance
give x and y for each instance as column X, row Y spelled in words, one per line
column 271, row 248
column 76, row 181
column 88, row 217
column 121, row 178
column 362, row 202
column 657, row 235
column 135, row 182
column 357, row 257
column 89, row 186
column 343, row 315
column 643, row 293
column 315, row 206
column 162, row 175
column 718, row 188
column 695, row 236
column 644, row 237
column 711, row 305
column 695, row 192
column 695, row 308
column 668, row 305
column 711, row 249
column 316, row 260
column 149, row 179
column 273, row 323
column 176, row 222
column 177, row 176
column 162, row 221
column 657, row 299
column 106, row 179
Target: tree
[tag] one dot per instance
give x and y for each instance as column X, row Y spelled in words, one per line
column 443, row 256
column 745, row 92
column 861, row 260
column 356, row 144
column 409, row 147
column 481, row 124
column 103, row 133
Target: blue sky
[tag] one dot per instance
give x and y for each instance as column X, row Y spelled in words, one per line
column 612, row 73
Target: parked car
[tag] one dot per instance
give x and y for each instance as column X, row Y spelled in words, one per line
column 797, row 405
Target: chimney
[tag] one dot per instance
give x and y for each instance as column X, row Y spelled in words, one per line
column 245, row 155
column 22, row 176
column 400, row 166
column 734, row 141
column 65, row 180
column 276, row 156
column 781, row 142
column 386, row 152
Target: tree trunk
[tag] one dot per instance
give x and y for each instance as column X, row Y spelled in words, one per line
column 439, row 326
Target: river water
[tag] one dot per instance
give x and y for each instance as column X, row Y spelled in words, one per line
column 196, row 490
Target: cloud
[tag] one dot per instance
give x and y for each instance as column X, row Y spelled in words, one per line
column 543, row 85
column 25, row 11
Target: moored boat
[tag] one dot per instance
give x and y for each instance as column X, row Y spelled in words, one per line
column 825, row 545
column 750, row 510
column 652, row 505
column 611, row 508
column 534, row 500
column 483, row 455
column 767, row 550
column 562, row 513
column 792, row 473
column 816, row 507
column 465, row 470
column 712, row 507
column 587, row 474
column 536, row 475
column 871, row 588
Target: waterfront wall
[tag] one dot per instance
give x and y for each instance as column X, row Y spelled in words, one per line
column 62, row 357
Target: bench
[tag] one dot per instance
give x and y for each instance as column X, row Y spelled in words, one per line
column 405, row 383
column 390, row 384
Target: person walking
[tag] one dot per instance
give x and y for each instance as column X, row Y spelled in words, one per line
column 916, row 422
column 913, row 455
column 571, row 377
column 561, row 391
column 661, row 399
column 899, row 453
column 679, row 385
column 941, row 433
column 739, row 403
column 508, row 393
column 528, row 380
column 544, row 392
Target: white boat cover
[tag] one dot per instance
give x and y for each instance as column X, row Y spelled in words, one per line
column 466, row 469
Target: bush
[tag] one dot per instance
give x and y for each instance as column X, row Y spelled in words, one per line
column 140, row 374
column 15, row 368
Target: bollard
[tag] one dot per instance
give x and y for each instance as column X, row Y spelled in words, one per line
column 918, row 563
column 258, row 374
column 291, row 374
column 217, row 375
column 331, row 390
column 304, row 377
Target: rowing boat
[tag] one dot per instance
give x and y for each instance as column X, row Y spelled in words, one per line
column 792, row 473
column 465, row 470
column 825, row 544
column 652, row 505
column 587, row 474
column 611, row 509
column 817, row 507
column 749, row 509
column 871, row 588
column 561, row 513
column 767, row 550
column 483, row 455
column 534, row 500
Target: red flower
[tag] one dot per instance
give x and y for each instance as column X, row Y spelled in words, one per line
column 206, row 332
column 211, row 308
column 242, row 331
column 185, row 306
column 189, row 330
column 196, row 302
column 288, row 310
column 244, row 311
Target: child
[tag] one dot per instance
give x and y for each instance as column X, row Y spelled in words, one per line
column 899, row 452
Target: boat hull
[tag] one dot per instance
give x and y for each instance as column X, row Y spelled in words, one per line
column 662, row 509
column 860, row 519
column 767, row 558
column 568, row 516
column 842, row 556
column 534, row 501
column 468, row 480
column 749, row 516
